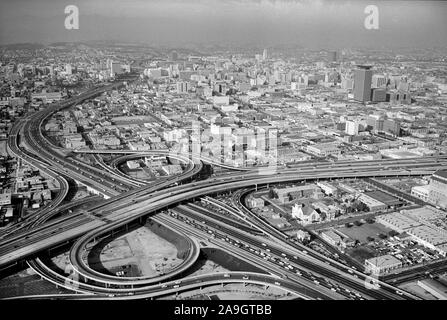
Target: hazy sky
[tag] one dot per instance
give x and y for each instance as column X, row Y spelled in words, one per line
column 320, row 23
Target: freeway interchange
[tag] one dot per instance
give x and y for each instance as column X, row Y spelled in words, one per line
column 287, row 264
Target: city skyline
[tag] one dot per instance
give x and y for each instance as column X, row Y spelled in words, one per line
column 223, row 150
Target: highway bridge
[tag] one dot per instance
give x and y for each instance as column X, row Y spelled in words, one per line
column 157, row 201
column 128, row 203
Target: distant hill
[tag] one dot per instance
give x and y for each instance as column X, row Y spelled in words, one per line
column 25, row 46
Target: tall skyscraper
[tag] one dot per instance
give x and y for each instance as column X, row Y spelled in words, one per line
column 173, row 56
column 115, row 68
column 68, row 69
column 352, row 128
column 362, row 83
column 265, row 54
column 333, row 56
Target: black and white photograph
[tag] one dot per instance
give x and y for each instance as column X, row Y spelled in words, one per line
column 223, row 158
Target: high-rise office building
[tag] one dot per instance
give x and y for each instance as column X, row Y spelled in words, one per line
column 347, row 83
column 115, row 68
column 173, row 56
column 362, row 83
column 378, row 81
column 352, row 128
column 68, row 69
column 391, row 126
column 265, row 54
column 438, row 188
column 333, row 56
column 182, row 87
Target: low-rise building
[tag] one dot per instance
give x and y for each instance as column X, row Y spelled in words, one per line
column 421, row 192
column 283, row 194
column 438, row 189
column 327, row 188
column 333, row 239
column 424, row 232
column 371, row 203
column 302, row 235
column 382, row 265
column 323, row 149
column 255, row 203
column 5, row 199
column 306, row 214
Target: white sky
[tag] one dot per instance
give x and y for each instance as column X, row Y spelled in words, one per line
column 320, row 23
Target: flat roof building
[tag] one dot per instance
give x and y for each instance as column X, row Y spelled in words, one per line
column 362, row 83
column 382, row 265
column 371, row 203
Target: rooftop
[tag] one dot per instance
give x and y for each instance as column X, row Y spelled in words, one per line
column 383, row 261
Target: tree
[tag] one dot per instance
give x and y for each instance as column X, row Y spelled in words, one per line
column 393, row 233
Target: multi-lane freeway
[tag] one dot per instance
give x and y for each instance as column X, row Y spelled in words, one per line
column 127, row 201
